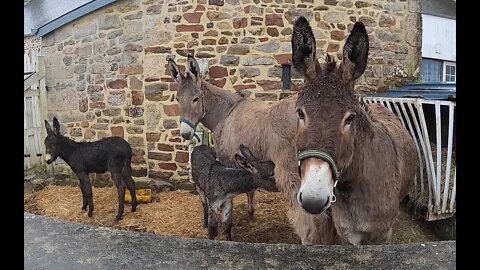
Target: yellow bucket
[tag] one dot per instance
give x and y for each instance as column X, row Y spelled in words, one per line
column 143, row 196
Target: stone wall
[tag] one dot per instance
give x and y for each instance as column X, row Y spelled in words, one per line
column 107, row 74
column 32, row 43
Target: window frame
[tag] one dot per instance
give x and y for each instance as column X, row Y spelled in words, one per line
column 444, row 71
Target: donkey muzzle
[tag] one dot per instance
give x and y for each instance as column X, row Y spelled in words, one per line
column 48, row 158
column 314, row 205
column 316, row 191
column 186, row 131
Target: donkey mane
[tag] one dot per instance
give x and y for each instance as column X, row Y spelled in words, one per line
column 216, row 91
column 331, row 64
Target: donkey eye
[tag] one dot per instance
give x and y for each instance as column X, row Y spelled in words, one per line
column 349, row 119
column 195, row 100
column 301, row 115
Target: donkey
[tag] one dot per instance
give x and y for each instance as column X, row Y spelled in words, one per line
column 218, row 183
column 112, row 154
column 360, row 158
column 268, row 130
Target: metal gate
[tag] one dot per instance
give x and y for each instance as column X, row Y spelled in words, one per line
column 431, row 123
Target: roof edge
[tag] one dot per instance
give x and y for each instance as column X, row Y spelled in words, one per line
column 440, row 15
column 69, row 17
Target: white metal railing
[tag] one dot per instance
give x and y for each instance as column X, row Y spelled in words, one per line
column 437, row 173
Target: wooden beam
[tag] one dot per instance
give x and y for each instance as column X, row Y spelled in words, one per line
column 40, row 74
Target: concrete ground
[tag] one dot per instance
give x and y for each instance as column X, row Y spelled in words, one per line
column 55, row 244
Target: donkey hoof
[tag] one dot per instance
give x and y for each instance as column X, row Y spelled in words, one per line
column 212, row 233
column 90, row 214
column 134, row 206
column 117, row 218
column 84, row 208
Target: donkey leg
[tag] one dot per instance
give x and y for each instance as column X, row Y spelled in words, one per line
column 387, row 237
column 84, row 198
column 87, row 193
column 121, row 187
column 201, row 194
column 85, row 201
column 131, row 187
column 227, row 219
column 212, row 220
column 127, row 178
column 251, row 209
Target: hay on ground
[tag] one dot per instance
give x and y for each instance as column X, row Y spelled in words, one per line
column 179, row 213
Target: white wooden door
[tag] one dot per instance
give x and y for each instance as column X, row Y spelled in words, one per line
column 32, row 130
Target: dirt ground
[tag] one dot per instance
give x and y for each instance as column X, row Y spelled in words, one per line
column 179, row 213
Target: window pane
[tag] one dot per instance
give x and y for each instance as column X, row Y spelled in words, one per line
column 450, row 71
column 431, row 70
column 450, row 78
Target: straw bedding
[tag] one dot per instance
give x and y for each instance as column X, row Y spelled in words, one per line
column 179, row 213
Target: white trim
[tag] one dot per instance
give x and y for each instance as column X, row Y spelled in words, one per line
column 444, row 68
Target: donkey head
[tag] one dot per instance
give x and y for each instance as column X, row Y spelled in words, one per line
column 52, row 141
column 261, row 169
column 328, row 113
column 189, row 96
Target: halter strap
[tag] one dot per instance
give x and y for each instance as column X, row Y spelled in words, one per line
column 190, row 124
column 320, row 154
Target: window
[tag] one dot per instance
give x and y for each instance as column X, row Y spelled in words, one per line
column 450, row 70
column 431, row 70
column 438, row 71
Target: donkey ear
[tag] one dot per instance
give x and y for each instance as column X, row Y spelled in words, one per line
column 304, row 49
column 56, row 126
column 174, row 70
column 192, row 67
column 243, row 162
column 48, row 128
column 355, row 53
column 246, row 152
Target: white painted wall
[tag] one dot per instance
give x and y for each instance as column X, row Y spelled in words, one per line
column 439, row 37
